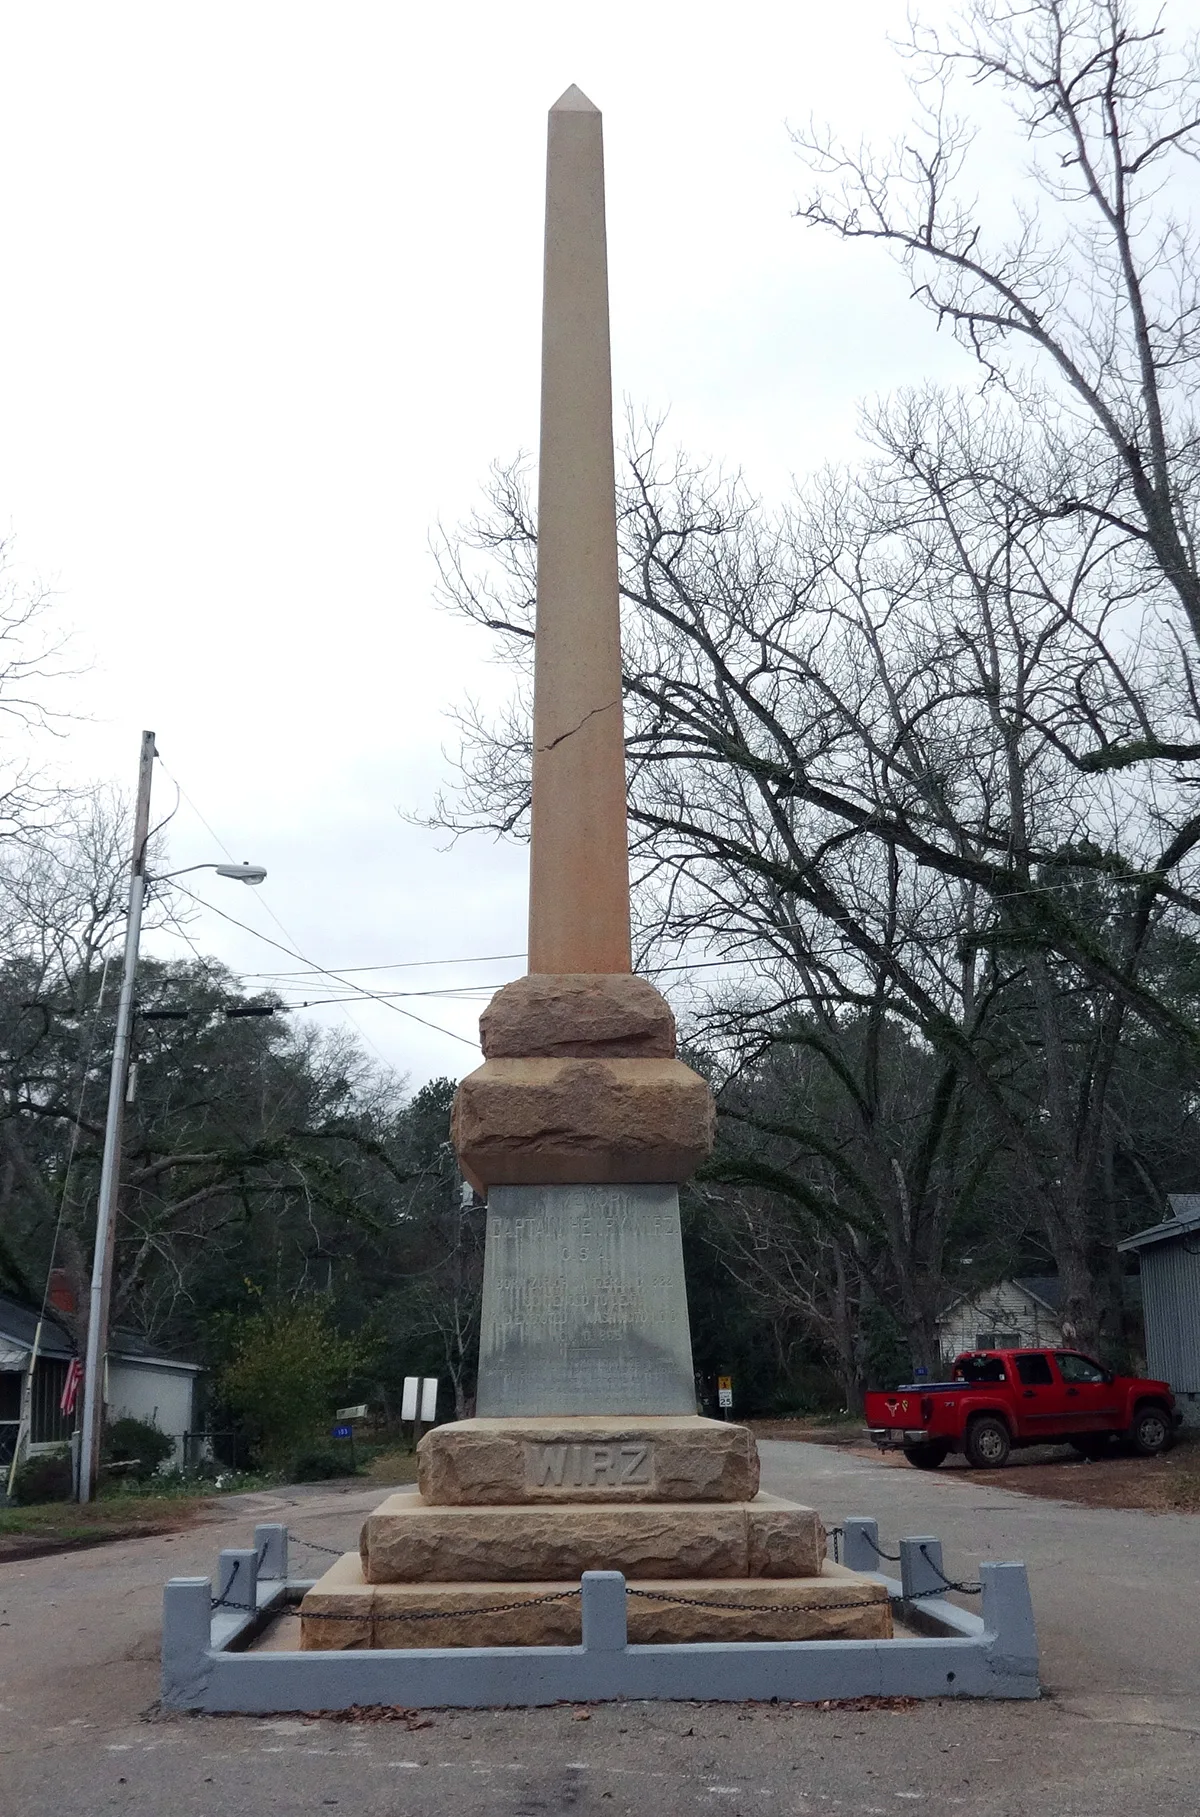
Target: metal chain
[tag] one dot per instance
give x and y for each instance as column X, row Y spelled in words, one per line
column 950, row 1583
column 835, row 1535
column 878, row 1550
column 315, row 1545
column 743, row 1608
column 374, row 1615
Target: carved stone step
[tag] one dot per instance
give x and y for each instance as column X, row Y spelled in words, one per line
column 344, row 1611
column 587, row 1459
column 408, row 1541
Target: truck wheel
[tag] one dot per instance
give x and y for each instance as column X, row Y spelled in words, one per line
column 1150, row 1432
column 927, row 1457
column 988, row 1443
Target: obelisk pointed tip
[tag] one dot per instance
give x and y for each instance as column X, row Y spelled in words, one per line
column 574, row 102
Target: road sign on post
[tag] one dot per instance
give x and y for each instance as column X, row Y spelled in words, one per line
column 725, row 1393
column 429, row 1393
column 408, row 1400
column 353, row 1413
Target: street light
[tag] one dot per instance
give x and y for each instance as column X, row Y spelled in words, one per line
column 241, row 873
column 110, row 1166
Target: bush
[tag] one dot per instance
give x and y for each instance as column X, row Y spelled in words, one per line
column 138, row 1444
column 285, row 1374
column 44, row 1478
column 320, row 1466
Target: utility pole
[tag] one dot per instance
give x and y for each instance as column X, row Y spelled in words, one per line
column 110, row 1167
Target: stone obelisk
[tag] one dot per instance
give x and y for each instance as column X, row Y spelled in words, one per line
column 582, row 1122
column 586, row 1452
column 579, row 856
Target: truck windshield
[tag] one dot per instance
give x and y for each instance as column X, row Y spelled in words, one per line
column 979, row 1369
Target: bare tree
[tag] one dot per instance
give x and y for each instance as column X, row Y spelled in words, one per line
column 1085, row 308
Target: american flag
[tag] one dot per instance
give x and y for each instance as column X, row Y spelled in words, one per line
column 71, row 1386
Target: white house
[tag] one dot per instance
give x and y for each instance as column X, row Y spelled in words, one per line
column 137, row 1382
column 1012, row 1314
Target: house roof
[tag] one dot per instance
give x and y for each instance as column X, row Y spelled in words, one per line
column 18, row 1323
column 1045, row 1288
column 1183, row 1222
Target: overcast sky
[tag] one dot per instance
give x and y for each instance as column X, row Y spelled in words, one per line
column 270, row 308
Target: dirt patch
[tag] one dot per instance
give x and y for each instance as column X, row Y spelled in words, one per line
column 392, row 1467
column 1156, row 1485
column 816, row 1432
column 66, row 1527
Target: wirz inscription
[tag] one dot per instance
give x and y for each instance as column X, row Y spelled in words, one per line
column 589, row 1466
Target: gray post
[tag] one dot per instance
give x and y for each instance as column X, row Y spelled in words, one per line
column 1008, row 1614
column 271, row 1548
column 186, row 1617
column 860, row 1537
column 916, row 1577
column 605, row 1627
column 110, row 1164
column 237, row 1579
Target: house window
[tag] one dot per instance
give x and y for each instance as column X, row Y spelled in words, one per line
column 997, row 1340
column 49, row 1425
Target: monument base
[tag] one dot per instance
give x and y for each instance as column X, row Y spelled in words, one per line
column 344, row 1612
column 407, row 1541
column 601, row 1459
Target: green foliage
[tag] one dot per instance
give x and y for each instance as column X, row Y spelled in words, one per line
column 45, row 1477
column 320, row 1466
column 286, row 1373
column 139, row 1444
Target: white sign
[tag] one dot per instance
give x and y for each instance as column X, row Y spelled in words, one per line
column 725, row 1397
column 408, row 1400
column 353, row 1413
column 429, row 1400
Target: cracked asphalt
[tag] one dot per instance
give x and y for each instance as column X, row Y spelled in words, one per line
column 1115, row 1594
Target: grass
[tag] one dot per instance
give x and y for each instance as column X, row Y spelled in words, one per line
column 391, row 1466
column 55, row 1526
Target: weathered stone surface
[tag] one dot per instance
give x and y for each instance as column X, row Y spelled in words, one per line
column 534, row 1622
column 507, row 1461
column 408, row 1541
column 579, row 846
column 339, row 1606
column 578, row 1015
column 584, row 1304
column 549, row 1122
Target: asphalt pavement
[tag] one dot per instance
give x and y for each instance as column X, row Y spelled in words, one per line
column 1115, row 1595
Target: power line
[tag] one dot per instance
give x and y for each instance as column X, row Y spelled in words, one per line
column 361, row 992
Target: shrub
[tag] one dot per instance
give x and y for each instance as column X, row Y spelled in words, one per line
column 287, row 1369
column 138, row 1444
column 320, row 1466
column 46, row 1477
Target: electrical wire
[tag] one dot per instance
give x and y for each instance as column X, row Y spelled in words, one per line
column 361, row 993
column 356, row 1025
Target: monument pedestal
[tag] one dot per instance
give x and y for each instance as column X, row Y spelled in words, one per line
column 579, row 1127
column 489, row 1550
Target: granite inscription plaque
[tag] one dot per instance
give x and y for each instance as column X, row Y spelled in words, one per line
column 584, row 1308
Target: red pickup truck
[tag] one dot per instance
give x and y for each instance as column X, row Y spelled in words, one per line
column 1001, row 1398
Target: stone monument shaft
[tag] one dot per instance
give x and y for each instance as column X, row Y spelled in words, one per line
column 579, row 859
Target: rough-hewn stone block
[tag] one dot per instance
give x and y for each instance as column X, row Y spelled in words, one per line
column 483, row 1615
column 539, row 1122
column 506, row 1461
column 578, row 1015
column 408, row 1541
